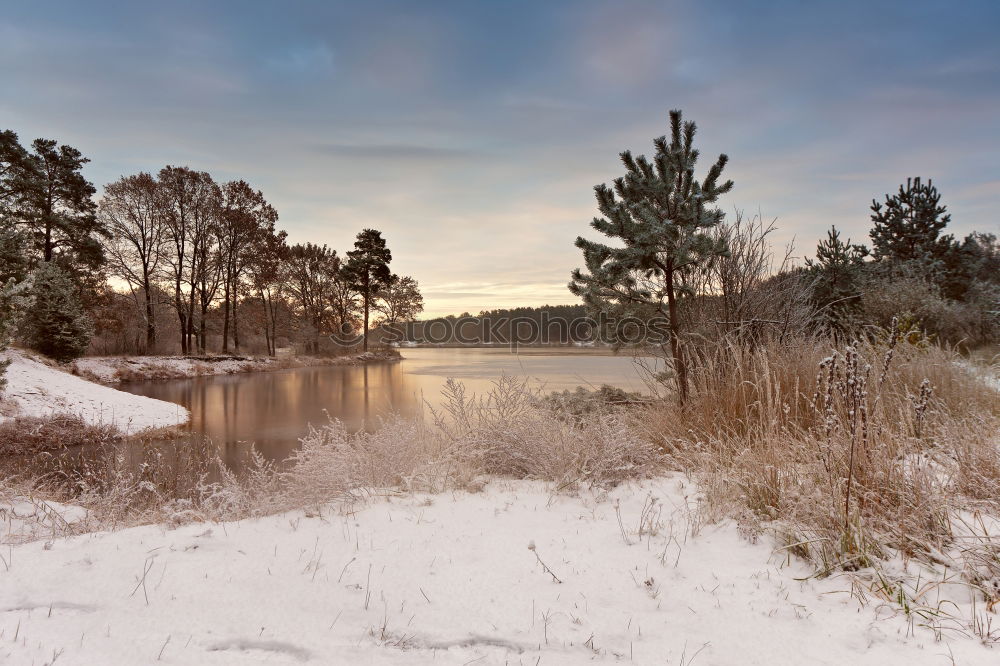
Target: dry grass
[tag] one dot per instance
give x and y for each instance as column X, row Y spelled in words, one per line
column 23, row 435
column 505, row 433
column 850, row 456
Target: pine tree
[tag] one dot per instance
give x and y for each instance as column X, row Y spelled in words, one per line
column 14, row 168
column 368, row 269
column 12, row 271
column 55, row 323
column 838, row 267
column 59, row 209
column 907, row 228
column 663, row 214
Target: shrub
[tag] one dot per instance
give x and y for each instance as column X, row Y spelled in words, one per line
column 885, row 298
column 55, row 323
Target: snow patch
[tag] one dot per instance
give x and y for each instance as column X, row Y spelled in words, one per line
column 404, row 581
column 37, row 389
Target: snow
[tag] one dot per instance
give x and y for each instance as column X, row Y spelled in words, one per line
column 26, row 519
column 449, row 579
column 37, row 389
column 114, row 369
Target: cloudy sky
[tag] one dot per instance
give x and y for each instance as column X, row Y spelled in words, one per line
column 472, row 132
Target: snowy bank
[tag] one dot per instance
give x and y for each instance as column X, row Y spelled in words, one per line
column 37, row 389
column 628, row 576
column 115, row 369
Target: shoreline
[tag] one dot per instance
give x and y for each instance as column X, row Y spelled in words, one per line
column 115, row 370
column 39, row 388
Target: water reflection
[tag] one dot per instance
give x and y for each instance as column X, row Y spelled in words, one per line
column 273, row 410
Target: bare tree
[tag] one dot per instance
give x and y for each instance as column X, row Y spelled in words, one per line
column 265, row 275
column 132, row 213
column 246, row 219
column 399, row 301
column 311, row 274
column 191, row 202
column 749, row 291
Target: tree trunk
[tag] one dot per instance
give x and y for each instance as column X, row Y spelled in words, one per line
column 366, row 321
column 179, row 305
column 150, row 322
column 225, row 319
column 202, row 346
column 268, row 322
column 190, row 320
column 236, row 326
column 48, row 240
column 675, row 343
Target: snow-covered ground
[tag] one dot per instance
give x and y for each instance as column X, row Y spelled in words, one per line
column 114, row 369
column 450, row 579
column 37, row 389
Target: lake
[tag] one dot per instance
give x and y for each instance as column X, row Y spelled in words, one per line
column 273, row 410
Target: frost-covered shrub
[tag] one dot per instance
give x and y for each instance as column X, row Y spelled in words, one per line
column 55, row 323
column 507, row 432
column 583, row 401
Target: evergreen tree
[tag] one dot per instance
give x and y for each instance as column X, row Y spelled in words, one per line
column 59, row 210
column 11, row 306
column 13, row 262
column 367, row 269
column 55, row 323
column 662, row 214
column 838, row 267
column 907, row 227
column 14, row 168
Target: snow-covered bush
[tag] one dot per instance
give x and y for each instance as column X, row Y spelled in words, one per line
column 55, row 323
column 12, row 306
column 507, row 432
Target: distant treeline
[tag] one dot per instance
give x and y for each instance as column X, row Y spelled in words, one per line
column 546, row 324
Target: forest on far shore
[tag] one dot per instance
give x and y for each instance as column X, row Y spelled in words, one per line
column 174, row 262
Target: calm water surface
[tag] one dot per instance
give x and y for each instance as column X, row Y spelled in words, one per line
column 273, row 410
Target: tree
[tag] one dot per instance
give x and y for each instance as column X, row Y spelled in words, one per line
column 398, row 301
column 663, row 216
column 268, row 253
column 908, row 226
column 245, row 221
column 132, row 212
column 15, row 167
column 55, row 323
column 191, row 202
column 310, row 273
column 838, row 268
column 9, row 313
column 58, row 208
column 13, row 264
column 368, row 269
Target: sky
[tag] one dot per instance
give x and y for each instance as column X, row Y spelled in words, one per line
column 471, row 133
